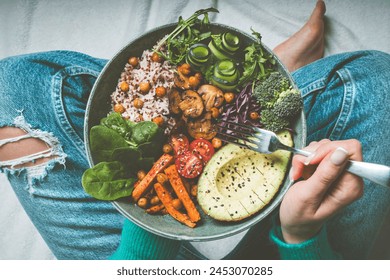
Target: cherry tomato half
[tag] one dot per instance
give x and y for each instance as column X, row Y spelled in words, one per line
column 189, row 165
column 203, row 149
column 179, row 143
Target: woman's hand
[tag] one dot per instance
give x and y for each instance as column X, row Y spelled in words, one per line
column 324, row 190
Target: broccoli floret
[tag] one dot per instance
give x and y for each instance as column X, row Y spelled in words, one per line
column 267, row 92
column 272, row 122
column 278, row 101
column 288, row 104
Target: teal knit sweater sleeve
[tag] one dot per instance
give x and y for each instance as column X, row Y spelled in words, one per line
column 316, row 248
column 139, row 244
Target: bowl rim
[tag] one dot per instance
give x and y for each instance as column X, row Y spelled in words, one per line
column 250, row 221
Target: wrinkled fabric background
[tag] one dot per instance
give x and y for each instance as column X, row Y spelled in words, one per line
column 101, row 28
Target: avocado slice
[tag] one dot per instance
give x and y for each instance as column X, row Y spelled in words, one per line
column 237, row 182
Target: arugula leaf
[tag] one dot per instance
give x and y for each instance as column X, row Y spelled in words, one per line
column 257, row 64
column 185, row 35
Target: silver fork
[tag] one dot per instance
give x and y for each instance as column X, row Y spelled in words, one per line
column 266, row 142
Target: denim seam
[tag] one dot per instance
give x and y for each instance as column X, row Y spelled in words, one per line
column 347, row 105
column 314, row 86
column 59, row 105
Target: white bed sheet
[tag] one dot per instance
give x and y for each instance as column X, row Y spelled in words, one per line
column 101, row 28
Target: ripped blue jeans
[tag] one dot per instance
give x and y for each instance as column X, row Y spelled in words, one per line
column 45, row 94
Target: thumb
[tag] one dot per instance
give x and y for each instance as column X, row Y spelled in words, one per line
column 328, row 170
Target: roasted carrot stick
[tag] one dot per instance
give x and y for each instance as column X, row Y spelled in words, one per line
column 155, row 209
column 182, row 193
column 146, row 182
column 166, row 199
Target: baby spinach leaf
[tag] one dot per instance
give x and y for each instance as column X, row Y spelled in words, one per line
column 104, row 141
column 132, row 160
column 118, row 124
column 122, row 149
column 153, row 148
column 144, row 132
column 107, row 181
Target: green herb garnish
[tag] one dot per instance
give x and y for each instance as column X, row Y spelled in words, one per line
column 185, row 35
column 257, row 64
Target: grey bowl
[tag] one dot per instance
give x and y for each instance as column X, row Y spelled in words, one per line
column 99, row 106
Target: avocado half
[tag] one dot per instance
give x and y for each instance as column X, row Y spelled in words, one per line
column 237, row 182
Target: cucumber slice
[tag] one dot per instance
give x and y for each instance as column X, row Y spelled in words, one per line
column 226, row 75
column 198, row 55
column 230, row 79
column 230, row 42
column 223, row 84
column 219, row 54
column 225, row 68
column 193, row 64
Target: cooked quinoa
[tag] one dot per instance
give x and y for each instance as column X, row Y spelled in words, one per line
column 156, row 74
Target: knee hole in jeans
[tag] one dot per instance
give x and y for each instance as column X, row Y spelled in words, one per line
column 18, row 149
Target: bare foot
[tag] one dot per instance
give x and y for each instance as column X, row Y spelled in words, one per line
column 306, row 45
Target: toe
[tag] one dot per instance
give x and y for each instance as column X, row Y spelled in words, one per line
column 319, row 11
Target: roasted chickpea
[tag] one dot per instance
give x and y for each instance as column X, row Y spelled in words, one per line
column 158, row 120
column 156, row 57
column 144, row 87
column 167, row 148
column 141, row 174
column 119, row 108
column 133, row 61
column 185, row 69
column 214, row 112
column 176, row 203
column 193, row 81
column 199, row 76
column 143, row 202
column 216, row 142
column 254, row 115
column 161, row 91
column 194, row 190
column 154, row 200
column 162, row 178
column 124, row 86
column 138, row 103
column 229, row 97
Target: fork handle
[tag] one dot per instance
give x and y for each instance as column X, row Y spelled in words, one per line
column 376, row 173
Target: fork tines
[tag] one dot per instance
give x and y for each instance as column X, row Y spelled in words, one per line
column 237, row 133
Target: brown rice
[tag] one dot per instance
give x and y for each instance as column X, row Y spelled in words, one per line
column 156, row 74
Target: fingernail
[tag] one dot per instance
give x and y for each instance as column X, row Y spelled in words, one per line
column 309, row 158
column 339, row 156
column 290, row 174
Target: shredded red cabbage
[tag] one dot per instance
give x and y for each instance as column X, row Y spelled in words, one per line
column 239, row 110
